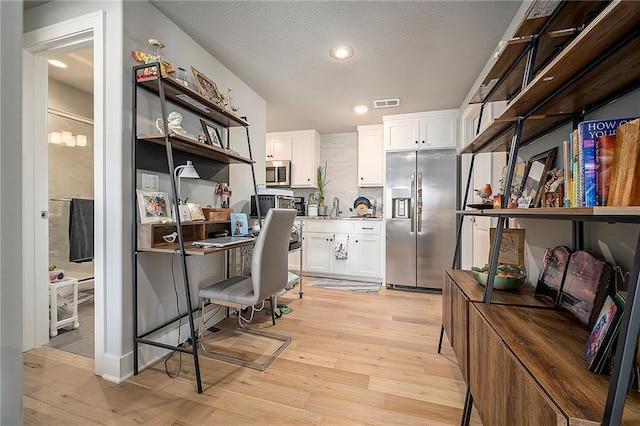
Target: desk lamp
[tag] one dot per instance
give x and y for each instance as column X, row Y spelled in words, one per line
column 185, row 171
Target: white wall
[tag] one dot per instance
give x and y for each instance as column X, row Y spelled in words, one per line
column 10, row 216
column 156, row 290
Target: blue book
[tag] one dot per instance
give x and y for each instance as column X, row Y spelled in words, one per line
column 588, row 131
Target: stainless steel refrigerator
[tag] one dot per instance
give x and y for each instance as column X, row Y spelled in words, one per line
column 420, row 203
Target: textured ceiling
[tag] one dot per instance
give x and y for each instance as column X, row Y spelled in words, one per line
column 427, row 53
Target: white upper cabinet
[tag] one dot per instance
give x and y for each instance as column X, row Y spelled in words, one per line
column 370, row 155
column 305, row 159
column 428, row 130
column 279, row 147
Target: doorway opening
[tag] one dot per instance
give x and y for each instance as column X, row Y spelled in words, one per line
column 70, row 178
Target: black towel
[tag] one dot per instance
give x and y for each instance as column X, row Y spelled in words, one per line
column 81, row 230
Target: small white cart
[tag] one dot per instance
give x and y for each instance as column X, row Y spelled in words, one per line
column 53, row 305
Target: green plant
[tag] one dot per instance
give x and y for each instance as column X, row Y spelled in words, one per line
column 52, row 267
column 322, row 182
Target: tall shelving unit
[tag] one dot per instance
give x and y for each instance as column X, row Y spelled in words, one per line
column 172, row 91
column 560, row 66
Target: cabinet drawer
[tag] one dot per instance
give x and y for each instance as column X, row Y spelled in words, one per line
column 331, row 226
column 367, row 227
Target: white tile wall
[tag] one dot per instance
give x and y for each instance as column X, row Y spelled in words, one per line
column 340, row 153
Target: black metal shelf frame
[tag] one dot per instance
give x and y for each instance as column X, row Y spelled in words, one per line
column 221, row 117
column 630, row 325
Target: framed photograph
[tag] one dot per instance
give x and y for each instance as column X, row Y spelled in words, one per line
column 207, row 87
column 239, row 224
column 511, row 247
column 185, row 214
column 195, row 211
column 212, row 135
column 554, row 268
column 153, row 206
column 536, row 175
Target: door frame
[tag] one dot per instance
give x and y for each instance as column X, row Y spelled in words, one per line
column 60, row 37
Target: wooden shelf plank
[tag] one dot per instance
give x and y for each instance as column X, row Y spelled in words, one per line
column 608, row 214
column 615, row 75
column 550, row 345
column 573, row 15
column 192, row 146
column 177, row 93
column 523, row 296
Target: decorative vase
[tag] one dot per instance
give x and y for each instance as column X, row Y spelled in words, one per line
column 322, row 210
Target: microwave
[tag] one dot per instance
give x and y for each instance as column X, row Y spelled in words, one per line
column 278, row 173
column 269, row 201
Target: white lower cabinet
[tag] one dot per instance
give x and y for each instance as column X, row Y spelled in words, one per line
column 360, row 240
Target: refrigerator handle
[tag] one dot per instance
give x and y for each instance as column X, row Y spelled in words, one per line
column 419, row 200
column 413, row 197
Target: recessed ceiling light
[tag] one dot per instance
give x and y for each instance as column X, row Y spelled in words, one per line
column 57, row 63
column 361, row 109
column 341, row 52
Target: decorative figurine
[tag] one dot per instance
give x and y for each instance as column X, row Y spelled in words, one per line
column 148, row 58
column 485, row 194
column 174, row 122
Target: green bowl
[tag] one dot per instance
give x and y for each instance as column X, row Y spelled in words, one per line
column 499, row 283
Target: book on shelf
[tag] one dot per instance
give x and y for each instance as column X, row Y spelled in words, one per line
column 577, row 282
column 575, row 170
column 593, row 149
column 624, row 188
column 604, row 158
column 599, row 347
column 566, row 164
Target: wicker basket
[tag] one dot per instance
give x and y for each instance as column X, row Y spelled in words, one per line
column 217, row 214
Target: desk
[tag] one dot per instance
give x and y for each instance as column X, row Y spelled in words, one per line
column 54, row 324
column 143, row 338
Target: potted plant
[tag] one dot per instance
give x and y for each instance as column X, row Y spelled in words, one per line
column 322, row 184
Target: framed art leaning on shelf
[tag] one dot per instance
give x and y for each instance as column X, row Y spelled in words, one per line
column 153, row 206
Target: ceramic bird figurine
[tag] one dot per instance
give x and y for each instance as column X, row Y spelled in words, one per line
column 485, row 193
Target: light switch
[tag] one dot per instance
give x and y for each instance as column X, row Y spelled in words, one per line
column 149, row 182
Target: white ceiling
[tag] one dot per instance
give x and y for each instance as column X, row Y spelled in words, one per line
column 79, row 71
column 427, row 53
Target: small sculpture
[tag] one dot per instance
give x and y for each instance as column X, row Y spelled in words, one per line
column 147, row 58
column 174, row 122
column 485, row 194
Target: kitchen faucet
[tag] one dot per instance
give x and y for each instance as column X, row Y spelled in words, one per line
column 336, row 207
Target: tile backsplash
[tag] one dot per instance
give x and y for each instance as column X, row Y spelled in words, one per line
column 340, row 153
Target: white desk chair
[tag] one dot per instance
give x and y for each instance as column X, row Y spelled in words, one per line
column 269, row 275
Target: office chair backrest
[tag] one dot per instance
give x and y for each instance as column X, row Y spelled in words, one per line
column 269, row 271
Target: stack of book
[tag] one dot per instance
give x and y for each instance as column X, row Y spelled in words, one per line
column 602, row 163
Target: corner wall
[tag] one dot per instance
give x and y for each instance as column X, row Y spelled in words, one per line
column 11, row 386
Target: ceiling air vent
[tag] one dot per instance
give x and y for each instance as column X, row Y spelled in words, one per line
column 386, row 103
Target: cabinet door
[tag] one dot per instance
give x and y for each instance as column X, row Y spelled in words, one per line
column 438, row 132
column 504, row 392
column 294, row 262
column 317, row 248
column 370, row 155
column 401, row 134
column 279, row 148
column 367, row 258
column 304, row 162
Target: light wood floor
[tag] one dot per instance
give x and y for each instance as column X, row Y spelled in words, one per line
column 355, row 359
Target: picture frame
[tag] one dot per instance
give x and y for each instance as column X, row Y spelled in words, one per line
column 511, row 247
column 195, row 211
column 536, row 175
column 153, row 206
column 207, row 88
column 185, row 214
column 552, row 273
column 211, row 134
column 239, row 224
